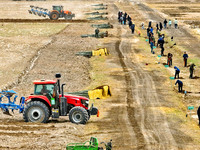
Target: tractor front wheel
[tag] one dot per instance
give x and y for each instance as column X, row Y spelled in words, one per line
column 68, row 17
column 78, row 115
column 36, row 111
column 54, row 16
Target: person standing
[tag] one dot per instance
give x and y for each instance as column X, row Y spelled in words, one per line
column 142, row 26
column 191, row 70
column 161, row 26
column 170, row 23
column 198, row 113
column 185, row 57
column 177, row 71
column 161, row 43
column 121, row 19
column 165, row 23
column 133, row 28
column 157, row 28
column 152, row 42
column 119, row 15
column 128, row 18
column 176, row 23
column 151, row 30
column 180, row 85
column 97, row 32
column 130, row 23
column 169, row 59
column 148, row 30
column 149, row 24
column 124, row 19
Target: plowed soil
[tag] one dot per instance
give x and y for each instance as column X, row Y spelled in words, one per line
column 135, row 117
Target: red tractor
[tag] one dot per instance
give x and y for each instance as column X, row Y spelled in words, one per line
column 49, row 100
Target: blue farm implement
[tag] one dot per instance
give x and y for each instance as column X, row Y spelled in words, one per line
column 56, row 13
column 11, row 103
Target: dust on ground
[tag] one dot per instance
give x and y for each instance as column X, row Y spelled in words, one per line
column 134, row 117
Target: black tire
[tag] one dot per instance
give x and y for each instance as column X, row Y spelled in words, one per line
column 54, row 16
column 36, row 111
column 68, row 17
column 78, row 115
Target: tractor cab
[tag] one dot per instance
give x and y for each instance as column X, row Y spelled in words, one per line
column 58, row 8
column 45, row 88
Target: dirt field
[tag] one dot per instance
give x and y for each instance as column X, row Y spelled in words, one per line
column 145, row 110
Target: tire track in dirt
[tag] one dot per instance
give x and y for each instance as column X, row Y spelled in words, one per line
column 44, row 21
column 151, row 127
column 32, row 61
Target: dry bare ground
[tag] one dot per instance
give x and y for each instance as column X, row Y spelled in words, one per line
column 135, row 117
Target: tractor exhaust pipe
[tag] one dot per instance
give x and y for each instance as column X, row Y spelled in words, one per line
column 58, row 76
column 63, row 103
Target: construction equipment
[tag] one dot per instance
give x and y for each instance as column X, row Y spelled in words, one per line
column 97, row 52
column 101, row 35
column 100, row 92
column 96, row 13
column 99, row 5
column 98, row 18
column 88, row 145
column 55, row 14
column 49, row 100
column 102, row 26
column 11, row 104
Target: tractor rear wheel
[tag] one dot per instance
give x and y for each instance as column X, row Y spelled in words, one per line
column 78, row 115
column 36, row 111
column 54, row 15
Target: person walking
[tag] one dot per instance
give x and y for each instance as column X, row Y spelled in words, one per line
column 198, row 113
column 185, row 57
column 191, row 70
column 97, row 32
column 161, row 26
column 177, row 71
column 180, row 85
column 176, row 23
column 133, row 28
column 170, row 23
column 165, row 23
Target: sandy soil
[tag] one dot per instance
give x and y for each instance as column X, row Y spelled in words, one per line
column 141, row 114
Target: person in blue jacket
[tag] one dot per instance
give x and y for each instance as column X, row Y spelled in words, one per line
column 177, row 71
column 133, row 28
column 180, row 85
column 185, row 57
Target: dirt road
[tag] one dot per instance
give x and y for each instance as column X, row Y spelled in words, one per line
column 150, row 126
column 131, row 117
column 136, row 112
